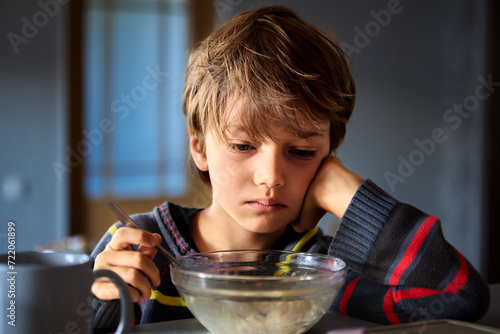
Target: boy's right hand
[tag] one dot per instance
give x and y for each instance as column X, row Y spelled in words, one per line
column 136, row 268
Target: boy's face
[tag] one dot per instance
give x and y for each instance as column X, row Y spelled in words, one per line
column 261, row 185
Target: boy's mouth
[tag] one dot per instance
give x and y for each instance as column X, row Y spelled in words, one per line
column 266, row 205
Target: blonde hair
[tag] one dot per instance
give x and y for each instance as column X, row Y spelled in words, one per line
column 283, row 71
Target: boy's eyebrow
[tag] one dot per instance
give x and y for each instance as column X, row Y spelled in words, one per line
column 310, row 134
column 316, row 132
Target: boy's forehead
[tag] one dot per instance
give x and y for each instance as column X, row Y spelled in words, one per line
column 307, row 130
column 238, row 108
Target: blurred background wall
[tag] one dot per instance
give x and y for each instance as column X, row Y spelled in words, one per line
column 35, row 114
column 423, row 127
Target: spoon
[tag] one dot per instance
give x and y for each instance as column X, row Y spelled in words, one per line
column 125, row 219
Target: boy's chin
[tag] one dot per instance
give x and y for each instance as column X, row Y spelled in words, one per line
column 266, row 227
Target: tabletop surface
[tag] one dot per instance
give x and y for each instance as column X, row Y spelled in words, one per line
column 490, row 323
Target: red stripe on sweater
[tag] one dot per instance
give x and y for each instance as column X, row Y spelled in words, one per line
column 455, row 285
column 412, row 250
column 388, row 308
column 461, row 278
column 347, row 295
column 415, row 293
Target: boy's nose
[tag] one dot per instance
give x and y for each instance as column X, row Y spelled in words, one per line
column 269, row 170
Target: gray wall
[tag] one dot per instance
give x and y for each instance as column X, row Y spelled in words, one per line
column 32, row 123
column 409, row 71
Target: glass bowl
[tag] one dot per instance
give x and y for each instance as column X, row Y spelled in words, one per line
column 258, row 291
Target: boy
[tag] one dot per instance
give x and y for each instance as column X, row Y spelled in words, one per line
column 267, row 99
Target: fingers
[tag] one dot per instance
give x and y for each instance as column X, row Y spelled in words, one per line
column 136, row 268
column 106, row 290
column 126, row 236
column 150, row 252
column 134, row 260
column 309, row 216
column 136, row 280
column 147, row 241
column 310, row 212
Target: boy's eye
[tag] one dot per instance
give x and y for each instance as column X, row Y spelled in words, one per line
column 241, row 147
column 303, row 154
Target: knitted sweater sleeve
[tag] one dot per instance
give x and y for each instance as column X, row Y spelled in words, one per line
column 401, row 267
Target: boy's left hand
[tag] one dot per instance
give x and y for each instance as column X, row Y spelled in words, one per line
column 331, row 190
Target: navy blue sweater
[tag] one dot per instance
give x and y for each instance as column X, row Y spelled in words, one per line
column 401, row 269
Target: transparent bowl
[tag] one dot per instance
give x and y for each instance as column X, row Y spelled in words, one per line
column 258, row 291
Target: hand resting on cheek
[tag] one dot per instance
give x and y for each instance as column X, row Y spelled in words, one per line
column 331, row 190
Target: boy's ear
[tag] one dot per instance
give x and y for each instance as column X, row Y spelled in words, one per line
column 199, row 157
